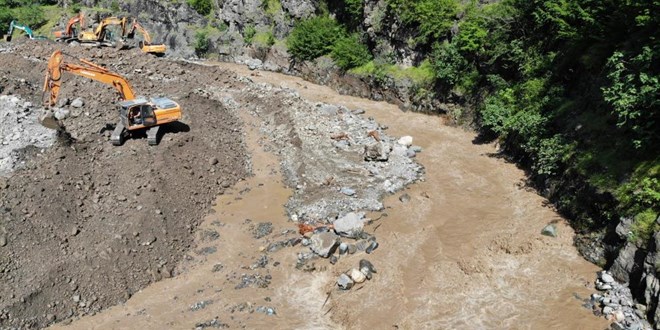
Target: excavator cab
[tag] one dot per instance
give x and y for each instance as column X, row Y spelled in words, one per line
column 137, row 113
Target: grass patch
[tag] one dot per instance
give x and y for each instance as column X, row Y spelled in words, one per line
column 272, row 7
column 420, row 75
column 52, row 15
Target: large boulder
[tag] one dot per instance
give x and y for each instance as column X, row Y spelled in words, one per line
column 350, row 225
column 324, row 243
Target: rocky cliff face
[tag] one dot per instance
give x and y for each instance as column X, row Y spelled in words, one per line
column 639, row 265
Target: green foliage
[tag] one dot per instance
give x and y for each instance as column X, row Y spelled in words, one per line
column 421, row 76
column 202, row 43
column 31, row 15
column 203, row 7
column 114, row 6
column 264, row 39
column 433, row 18
column 643, row 226
column 642, row 190
column 354, row 7
column 448, row 63
column 249, row 33
column 271, row 7
column 313, row 38
column 633, row 92
column 348, row 52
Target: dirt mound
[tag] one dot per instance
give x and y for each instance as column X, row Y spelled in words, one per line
column 83, row 225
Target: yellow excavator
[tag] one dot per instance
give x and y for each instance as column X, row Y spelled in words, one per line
column 135, row 113
column 101, row 36
column 145, row 45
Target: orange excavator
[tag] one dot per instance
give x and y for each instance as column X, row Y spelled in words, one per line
column 101, row 36
column 135, row 113
column 70, row 33
column 145, row 44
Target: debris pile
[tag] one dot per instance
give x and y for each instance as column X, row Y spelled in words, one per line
column 616, row 304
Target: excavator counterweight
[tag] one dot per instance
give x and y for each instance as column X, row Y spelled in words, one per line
column 135, row 113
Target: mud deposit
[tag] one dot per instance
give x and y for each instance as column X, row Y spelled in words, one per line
column 84, row 225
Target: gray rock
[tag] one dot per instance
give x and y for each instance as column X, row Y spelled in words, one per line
column 77, row 103
column 364, row 263
column 358, row 111
column 607, row 310
column 607, row 278
column 623, row 228
column 372, row 246
column 345, row 282
column 405, row 198
column 352, row 248
column 61, row 113
column 3, row 240
column 343, row 248
column 416, row 149
column 347, row 191
column 376, row 152
column 350, row 225
column 603, row 287
column 624, row 263
column 254, row 64
column 410, row 153
column 324, row 244
column 75, row 231
column 549, row 230
column 327, row 109
column 367, row 268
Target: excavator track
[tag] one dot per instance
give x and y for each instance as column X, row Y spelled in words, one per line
column 117, row 137
column 152, row 135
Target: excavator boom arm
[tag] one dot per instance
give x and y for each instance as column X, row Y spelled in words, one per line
column 87, row 69
column 13, row 25
column 145, row 34
column 75, row 19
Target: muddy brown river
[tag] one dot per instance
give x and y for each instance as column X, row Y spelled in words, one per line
column 464, row 253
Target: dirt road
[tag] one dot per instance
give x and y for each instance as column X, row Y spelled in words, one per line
column 464, row 252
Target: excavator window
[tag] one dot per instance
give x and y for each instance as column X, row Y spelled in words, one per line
column 147, row 114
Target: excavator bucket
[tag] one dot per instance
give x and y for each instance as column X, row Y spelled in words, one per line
column 7, row 37
column 48, row 120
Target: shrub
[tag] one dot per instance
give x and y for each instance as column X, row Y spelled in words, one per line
column 313, row 38
column 348, row 52
column 448, row 64
column 434, row 18
column 203, row 7
column 248, row 34
column 643, row 227
column 114, row 6
column 271, row 7
column 202, row 43
column 264, row 39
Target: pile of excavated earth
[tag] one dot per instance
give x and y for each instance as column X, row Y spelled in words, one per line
column 84, row 224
